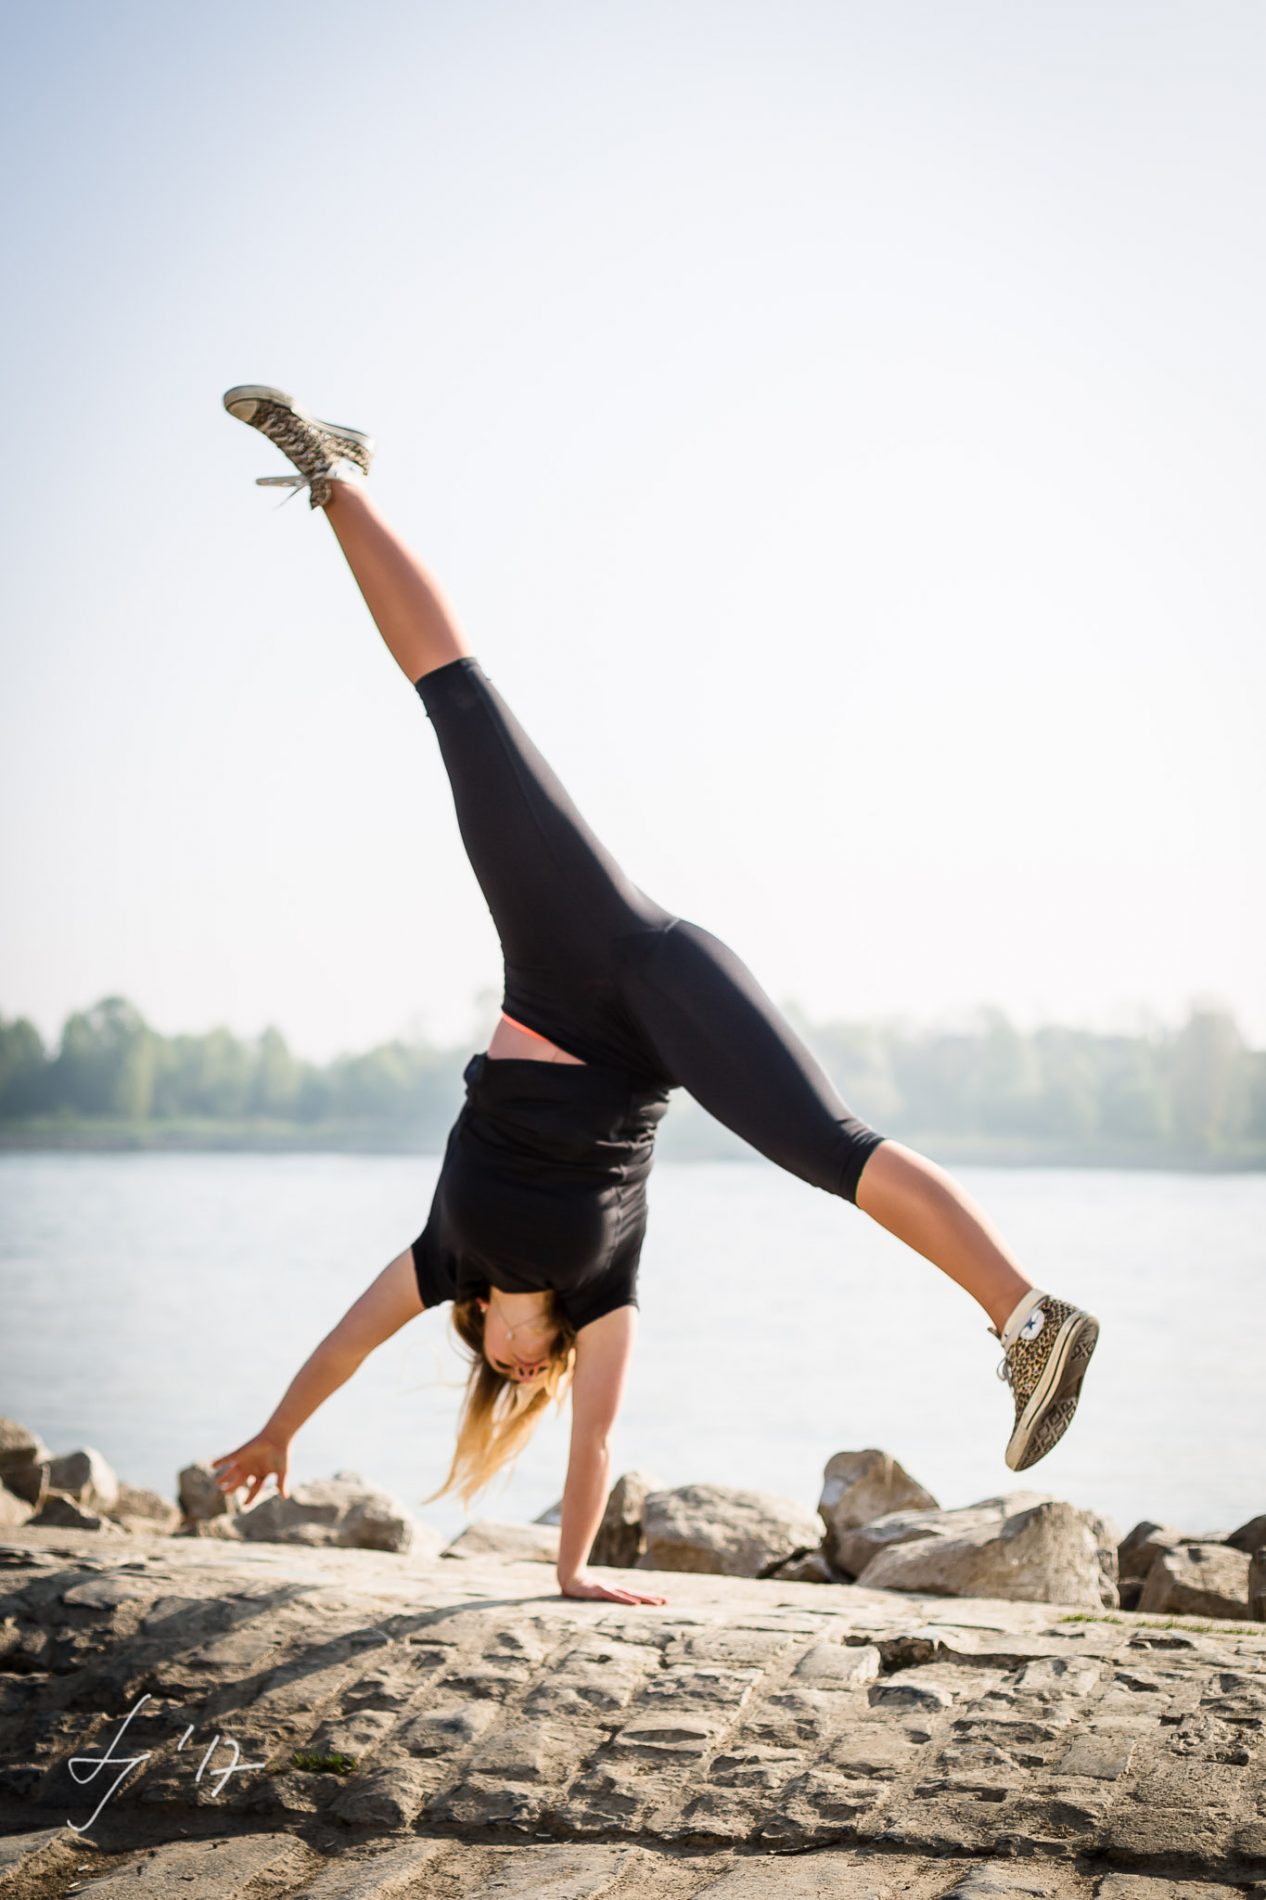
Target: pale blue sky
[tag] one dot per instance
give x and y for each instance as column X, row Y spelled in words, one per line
column 840, row 428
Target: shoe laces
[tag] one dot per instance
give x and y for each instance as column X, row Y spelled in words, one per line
column 342, row 470
column 1005, row 1370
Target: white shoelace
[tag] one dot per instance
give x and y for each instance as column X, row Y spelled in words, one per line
column 343, row 470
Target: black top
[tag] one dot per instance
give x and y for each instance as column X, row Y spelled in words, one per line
column 543, row 1184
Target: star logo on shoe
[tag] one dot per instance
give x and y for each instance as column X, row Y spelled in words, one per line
column 1033, row 1325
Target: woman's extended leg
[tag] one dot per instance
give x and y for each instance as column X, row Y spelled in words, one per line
column 718, row 1033
column 561, row 903
column 722, row 1037
column 407, row 606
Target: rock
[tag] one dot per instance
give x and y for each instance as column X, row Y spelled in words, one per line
column 1033, row 1552
column 859, row 1486
column 62, row 1512
column 812, row 1567
column 857, row 1548
column 201, row 1497
column 619, row 1540
column 1197, row 1580
column 1257, row 1586
column 13, row 1510
column 723, row 1530
column 137, row 1509
column 86, row 1477
column 24, row 1461
column 1249, row 1537
column 554, row 1515
column 510, row 1543
column 339, row 1512
column 1137, row 1552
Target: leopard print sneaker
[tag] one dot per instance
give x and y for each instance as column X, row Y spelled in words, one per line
column 321, row 451
column 1046, row 1349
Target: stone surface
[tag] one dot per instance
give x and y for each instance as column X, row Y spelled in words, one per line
column 744, row 1739
column 1257, row 1586
column 199, row 1870
column 620, row 1539
column 1048, row 1552
column 85, row 1476
column 724, row 1530
column 1197, row 1580
column 858, row 1487
column 529, row 1543
column 342, row 1512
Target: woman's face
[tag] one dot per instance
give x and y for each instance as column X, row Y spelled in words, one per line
column 521, row 1356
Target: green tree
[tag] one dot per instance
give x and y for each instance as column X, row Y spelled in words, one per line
column 23, row 1067
column 276, row 1079
column 1210, row 1080
column 106, row 1060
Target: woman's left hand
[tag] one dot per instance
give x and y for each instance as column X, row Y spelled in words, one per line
column 586, row 1586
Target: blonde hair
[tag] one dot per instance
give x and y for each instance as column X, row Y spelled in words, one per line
column 498, row 1414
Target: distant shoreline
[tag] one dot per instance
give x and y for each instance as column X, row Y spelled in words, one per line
column 692, row 1138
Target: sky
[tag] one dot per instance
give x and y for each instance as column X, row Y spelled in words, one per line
column 839, row 428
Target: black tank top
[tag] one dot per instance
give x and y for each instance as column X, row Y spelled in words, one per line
column 543, row 1184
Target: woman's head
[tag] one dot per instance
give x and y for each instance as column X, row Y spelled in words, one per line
column 516, row 1368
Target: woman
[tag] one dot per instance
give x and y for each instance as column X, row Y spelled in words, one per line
column 536, row 1225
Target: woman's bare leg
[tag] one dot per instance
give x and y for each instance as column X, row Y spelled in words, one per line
column 925, row 1207
column 410, row 612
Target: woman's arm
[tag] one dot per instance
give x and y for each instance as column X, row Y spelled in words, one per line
column 382, row 1309
column 603, row 1350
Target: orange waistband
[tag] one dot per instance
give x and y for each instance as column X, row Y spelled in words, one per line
column 527, row 1031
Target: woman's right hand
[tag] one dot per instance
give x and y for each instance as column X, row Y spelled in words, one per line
column 252, row 1464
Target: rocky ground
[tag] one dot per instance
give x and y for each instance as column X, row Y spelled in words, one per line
column 750, row 1738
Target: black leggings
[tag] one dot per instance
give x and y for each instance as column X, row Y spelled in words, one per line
column 609, row 975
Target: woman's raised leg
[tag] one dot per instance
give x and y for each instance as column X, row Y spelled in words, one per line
column 415, row 620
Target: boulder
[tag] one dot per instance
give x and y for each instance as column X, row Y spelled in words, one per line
column 13, row 1510
column 619, row 1539
column 1257, row 1586
column 24, row 1461
column 858, row 1487
column 1249, row 1537
column 137, row 1509
column 341, row 1512
column 508, row 1543
column 85, row 1476
column 858, row 1548
column 1198, row 1580
column 724, row 1530
column 60, row 1511
column 201, row 1497
column 1027, row 1550
column 1137, row 1552
column 554, row 1515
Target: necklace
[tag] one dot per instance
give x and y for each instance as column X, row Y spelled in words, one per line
column 539, row 1319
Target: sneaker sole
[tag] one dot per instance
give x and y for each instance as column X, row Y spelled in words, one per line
column 1049, row 1412
column 246, row 395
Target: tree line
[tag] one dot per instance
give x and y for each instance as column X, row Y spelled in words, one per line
column 1197, row 1089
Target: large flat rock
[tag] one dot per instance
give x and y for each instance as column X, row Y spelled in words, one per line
column 746, row 1738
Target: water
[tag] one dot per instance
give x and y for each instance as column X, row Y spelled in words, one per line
column 156, row 1306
